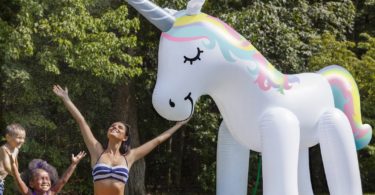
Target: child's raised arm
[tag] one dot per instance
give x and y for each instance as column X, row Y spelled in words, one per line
column 20, row 183
column 68, row 173
column 94, row 147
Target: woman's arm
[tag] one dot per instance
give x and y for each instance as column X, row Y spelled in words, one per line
column 143, row 150
column 94, row 147
column 68, row 173
column 20, row 183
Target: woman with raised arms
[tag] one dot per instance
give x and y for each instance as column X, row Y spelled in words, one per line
column 111, row 164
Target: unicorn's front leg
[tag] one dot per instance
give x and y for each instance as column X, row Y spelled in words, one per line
column 339, row 154
column 280, row 136
column 304, row 182
column 232, row 164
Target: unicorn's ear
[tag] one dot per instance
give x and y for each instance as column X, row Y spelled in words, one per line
column 194, row 7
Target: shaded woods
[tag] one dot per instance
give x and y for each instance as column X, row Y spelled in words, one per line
column 107, row 55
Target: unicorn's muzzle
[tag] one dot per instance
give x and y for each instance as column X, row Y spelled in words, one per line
column 176, row 109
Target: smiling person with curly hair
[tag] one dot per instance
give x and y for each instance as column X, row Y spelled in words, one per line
column 41, row 178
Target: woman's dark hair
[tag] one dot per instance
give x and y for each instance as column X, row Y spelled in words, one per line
column 125, row 145
column 36, row 164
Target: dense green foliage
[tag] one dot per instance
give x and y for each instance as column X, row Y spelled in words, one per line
column 96, row 47
column 81, row 44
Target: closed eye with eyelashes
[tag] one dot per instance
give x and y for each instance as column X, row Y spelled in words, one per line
column 197, row 57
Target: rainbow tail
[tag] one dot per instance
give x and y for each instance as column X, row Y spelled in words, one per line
column 346, row 95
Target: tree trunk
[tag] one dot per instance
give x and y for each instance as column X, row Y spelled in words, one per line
column 125, row 109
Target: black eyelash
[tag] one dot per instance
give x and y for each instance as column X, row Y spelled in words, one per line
column 197, row 57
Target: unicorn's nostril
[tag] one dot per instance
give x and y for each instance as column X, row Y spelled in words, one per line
column 172, row 104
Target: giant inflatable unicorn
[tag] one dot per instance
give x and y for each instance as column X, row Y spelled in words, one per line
column 263, row 110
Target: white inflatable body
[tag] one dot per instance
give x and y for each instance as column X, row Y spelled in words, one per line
column 279, row 115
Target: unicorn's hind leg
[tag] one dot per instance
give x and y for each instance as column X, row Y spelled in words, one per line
column 339, row 154
column 280, row 136
column 232, row 164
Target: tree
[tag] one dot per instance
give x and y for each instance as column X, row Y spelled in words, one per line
column 365, row 18
column 85, row 45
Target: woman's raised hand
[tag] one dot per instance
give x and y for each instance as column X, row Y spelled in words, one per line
column 60, row 92
column 181, row 123
column 78, row 157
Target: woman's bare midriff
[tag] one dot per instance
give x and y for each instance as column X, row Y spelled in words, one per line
column 109, row 186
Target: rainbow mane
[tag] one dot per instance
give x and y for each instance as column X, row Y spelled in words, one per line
column 232, row 45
